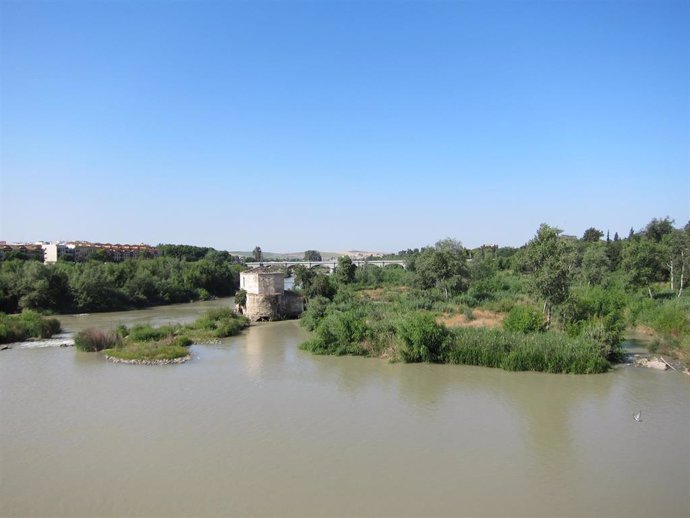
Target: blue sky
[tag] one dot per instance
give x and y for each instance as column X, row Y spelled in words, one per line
column 340, row 125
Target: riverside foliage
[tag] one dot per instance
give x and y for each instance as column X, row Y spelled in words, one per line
column 97, row 286
column 28, row 324
column 392, row 330
column 563, row 316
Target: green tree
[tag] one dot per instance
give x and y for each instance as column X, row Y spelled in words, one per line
column 304, row 277
column 442, row 266
column 675, row 249
column 312, row 255
column 345, row 271
column 595, row 264
column 321, row 286
column 658, row 228
column 642, row 263
column 592, row 235
column 550, row 260
column 34, row 288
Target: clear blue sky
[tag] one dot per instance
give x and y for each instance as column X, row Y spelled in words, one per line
column 341, row 125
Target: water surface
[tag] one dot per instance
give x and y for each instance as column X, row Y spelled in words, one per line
column 256, row 427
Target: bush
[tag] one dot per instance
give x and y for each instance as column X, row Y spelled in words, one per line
column 230, row 327
column 241, row 298
column 92, row 340
column 339, row 333
column 524, row 319
column 315, row 312
column 29, row 324
column 421, row 338
column 221, row 322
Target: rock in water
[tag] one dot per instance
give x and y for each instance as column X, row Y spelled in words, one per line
column 652, row 363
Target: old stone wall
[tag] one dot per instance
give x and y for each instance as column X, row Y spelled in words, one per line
column 262, row 283
column 272, row 284
column 292, row 305
column 263, row 307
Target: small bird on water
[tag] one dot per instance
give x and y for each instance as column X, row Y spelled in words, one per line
column 638, row 416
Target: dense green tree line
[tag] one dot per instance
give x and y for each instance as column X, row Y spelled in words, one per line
column 195, row 253
column 99, row 286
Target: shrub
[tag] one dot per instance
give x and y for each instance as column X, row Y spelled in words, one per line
column 421, row 338
column 202, row 294
column 230, row 327
column 241, row 298
column 339, row 333
column 315, row 312
column 221, row 322
column 29, row 324
column 524, row 319
column 92, row 340
column 606, row 331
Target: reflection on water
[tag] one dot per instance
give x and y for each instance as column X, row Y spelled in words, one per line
column 254, row 426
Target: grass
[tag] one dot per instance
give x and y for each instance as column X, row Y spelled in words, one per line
column 28, row 324
column 92, row 340
column 517, row 351
column 670, row 322
column 169, row 348
column 148, row 343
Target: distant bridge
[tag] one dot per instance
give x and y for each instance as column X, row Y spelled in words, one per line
column 331, row 265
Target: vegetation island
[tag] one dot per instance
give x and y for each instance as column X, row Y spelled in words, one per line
column 144, row 344
column 557, row 304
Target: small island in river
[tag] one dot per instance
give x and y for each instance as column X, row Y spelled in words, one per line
column 147, row 345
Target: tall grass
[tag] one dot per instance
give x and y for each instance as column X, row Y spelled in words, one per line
column 148, row 333
column 93, row 340
column 543, row 352
column 29, row 324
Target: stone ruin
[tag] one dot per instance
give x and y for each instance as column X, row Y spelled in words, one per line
column 266, row 296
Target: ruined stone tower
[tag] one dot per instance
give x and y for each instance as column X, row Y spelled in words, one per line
column 266, row 295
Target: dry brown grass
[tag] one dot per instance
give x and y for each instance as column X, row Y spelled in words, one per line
column 377, row 293
column 481, row 318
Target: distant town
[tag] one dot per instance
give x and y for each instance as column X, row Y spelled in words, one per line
column 78, row 251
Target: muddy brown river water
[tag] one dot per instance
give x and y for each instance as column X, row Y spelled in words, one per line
column 256, row 427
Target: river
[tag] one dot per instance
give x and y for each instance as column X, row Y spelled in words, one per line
column 255, row 427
